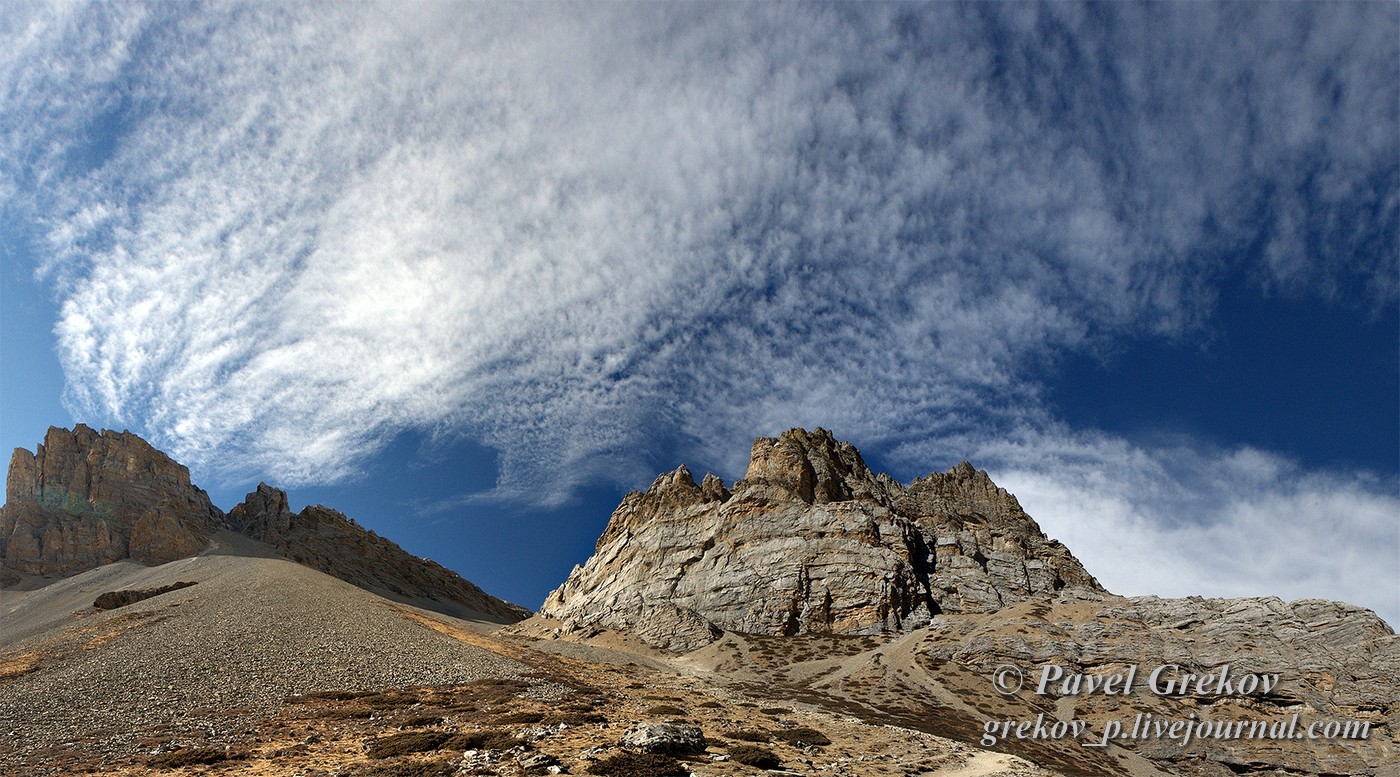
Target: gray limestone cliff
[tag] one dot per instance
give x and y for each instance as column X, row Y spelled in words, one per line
column 811, row 541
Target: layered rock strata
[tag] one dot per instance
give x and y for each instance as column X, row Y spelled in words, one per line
column 811, row 541
column 85, row 499
column 810, row 545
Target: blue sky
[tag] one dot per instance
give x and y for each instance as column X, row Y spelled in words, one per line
column 471, row 272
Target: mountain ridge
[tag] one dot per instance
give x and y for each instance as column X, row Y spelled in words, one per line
column 86, row 498
column 820, row 590
column 810, row 540
column 811, row 548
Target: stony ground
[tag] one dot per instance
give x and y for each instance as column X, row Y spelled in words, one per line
column 565, row 713
column 216, row 679
column 264, row 667
column 203, row 662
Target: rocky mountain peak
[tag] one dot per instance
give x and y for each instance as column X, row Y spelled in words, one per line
column 88, row 498
column 85, row 498
column 811, row 541
column 670, row 492
column 677, row 485
column 713, row 488
column 262, row 513
column 813, row 467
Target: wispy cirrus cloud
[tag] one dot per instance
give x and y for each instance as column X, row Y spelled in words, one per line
column 590, row 235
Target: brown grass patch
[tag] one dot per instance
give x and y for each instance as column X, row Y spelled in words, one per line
column 571, row 718
column 348, row 713
column 487, row 739
column 407, row 768
column 330, row 696
column 755, row 756
column 494, row 689
column 802, row 736
column 406, row 744
column 390, row 700
column 101, row 639
column 521, row 717
column 15, row 666
column 462, row 635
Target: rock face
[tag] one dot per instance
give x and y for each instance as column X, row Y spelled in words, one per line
column 85, row 498
column 810, row 546
column 1332, row 662
column 326, row 540
column 811, row 541
column 668, row 738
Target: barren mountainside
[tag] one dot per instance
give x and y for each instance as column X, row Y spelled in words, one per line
column 325, row 539
column 85, row 499
column 811, row 546
column 811, row 602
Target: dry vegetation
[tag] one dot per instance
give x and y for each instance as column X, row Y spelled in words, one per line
column 14, row 666
column 569, row 714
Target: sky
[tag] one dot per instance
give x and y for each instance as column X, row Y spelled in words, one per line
column 471, row 272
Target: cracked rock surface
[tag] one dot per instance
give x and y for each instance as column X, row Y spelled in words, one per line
column 811, row 541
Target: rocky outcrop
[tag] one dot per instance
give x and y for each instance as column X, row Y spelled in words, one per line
column 1331, row 657
column 668, row 738
column 1328, row 662
column 326, row 540
column 811, row 541
column 111, row 600
column 810, row 545
column 86, row 498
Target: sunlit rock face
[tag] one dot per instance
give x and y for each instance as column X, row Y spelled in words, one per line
column 85, row 498
column 811, row 541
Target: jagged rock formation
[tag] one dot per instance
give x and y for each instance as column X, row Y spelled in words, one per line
column 326, row 540
column 811, row 541
column 759, row 584
column 85, row 498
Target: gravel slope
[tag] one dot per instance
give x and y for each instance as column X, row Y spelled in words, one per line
column 209, row 657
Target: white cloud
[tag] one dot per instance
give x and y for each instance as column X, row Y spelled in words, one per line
column 1182, row 520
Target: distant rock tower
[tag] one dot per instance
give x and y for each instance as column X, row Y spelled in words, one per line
column 85, row 498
